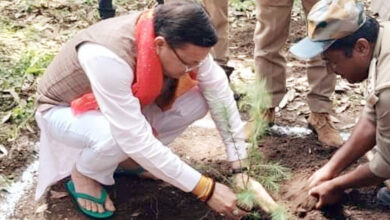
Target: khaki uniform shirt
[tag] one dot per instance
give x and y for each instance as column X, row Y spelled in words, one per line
column 377, row 108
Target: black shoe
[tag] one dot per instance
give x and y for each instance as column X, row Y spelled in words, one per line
column 383, row 196
column 228, row 70
column 106, row 12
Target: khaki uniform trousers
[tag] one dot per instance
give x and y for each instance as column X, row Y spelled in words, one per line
column 218, row 11
column 272, row 29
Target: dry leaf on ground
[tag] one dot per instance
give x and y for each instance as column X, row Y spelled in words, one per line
column 41, row 208
column 58, row 195
column 3, row 151
column 342, row 108
column 334, row 119
column 287, row 98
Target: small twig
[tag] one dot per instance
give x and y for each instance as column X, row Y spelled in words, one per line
column 205, row 215
column 154, row 210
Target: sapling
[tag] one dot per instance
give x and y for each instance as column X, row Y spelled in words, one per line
column 250, row 193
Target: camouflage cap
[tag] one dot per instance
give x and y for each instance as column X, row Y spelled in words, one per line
column 328, row 21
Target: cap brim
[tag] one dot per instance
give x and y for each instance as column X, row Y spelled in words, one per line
column 307, row 49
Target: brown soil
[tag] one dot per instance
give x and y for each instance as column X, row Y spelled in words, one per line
column 304, row 156
column 297, row 194
column 137, row 198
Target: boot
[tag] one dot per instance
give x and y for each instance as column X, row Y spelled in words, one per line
column 321, row 124
column 106, row 9
column 269, row 115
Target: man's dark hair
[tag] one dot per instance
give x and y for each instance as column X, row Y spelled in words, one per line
column 369, row 30
column 182, row 22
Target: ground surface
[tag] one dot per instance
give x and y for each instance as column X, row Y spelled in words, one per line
column 200, row 145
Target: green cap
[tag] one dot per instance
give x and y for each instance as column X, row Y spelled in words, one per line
column 328, row 21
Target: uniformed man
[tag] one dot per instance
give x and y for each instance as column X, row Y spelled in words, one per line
column 355, row 47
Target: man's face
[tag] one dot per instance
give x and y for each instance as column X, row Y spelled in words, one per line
column 178, row 61
column 353, row 68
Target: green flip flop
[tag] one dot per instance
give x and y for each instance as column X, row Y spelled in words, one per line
column 101, row 200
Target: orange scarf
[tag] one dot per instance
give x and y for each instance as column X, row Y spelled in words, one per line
column 149, row 79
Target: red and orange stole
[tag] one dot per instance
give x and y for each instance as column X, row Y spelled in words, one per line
column 149, row 77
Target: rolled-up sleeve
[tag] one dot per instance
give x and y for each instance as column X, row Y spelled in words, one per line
column 111, row 79
column 214, row 86
column 380, row 165
column 369, row 112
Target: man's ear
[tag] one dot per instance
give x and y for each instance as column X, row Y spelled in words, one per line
column 159, row 42
column 362, row 47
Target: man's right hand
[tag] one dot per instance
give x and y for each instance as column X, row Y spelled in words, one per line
column 224, row 202
column 327, row 193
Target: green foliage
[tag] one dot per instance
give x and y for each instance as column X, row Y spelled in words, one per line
column 22, row 111
column 246, row 199
column 253, row 215
column 257, row 101
column 269, row 174
column 30, row 64
column 280, row 213
column 90, row 2
column 242, row 5
column 18, row 78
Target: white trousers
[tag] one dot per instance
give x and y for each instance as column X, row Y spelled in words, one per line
column 86, row 140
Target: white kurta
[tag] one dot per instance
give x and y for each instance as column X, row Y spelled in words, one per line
column 130, row 128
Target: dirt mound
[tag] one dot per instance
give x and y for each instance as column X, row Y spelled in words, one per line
column 298, row 195
column 304, row 156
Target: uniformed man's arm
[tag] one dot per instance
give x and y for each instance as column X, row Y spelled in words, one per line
column 327, row 185
column 362, row 140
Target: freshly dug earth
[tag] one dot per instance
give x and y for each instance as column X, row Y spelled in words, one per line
column 304, row 156
column 298, row 194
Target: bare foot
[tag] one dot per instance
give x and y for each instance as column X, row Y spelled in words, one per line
column 89, row 186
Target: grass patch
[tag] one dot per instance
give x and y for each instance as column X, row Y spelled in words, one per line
column 18, row 87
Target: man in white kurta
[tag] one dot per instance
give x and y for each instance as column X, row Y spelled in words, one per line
column 90, row 133
column 101, row 59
